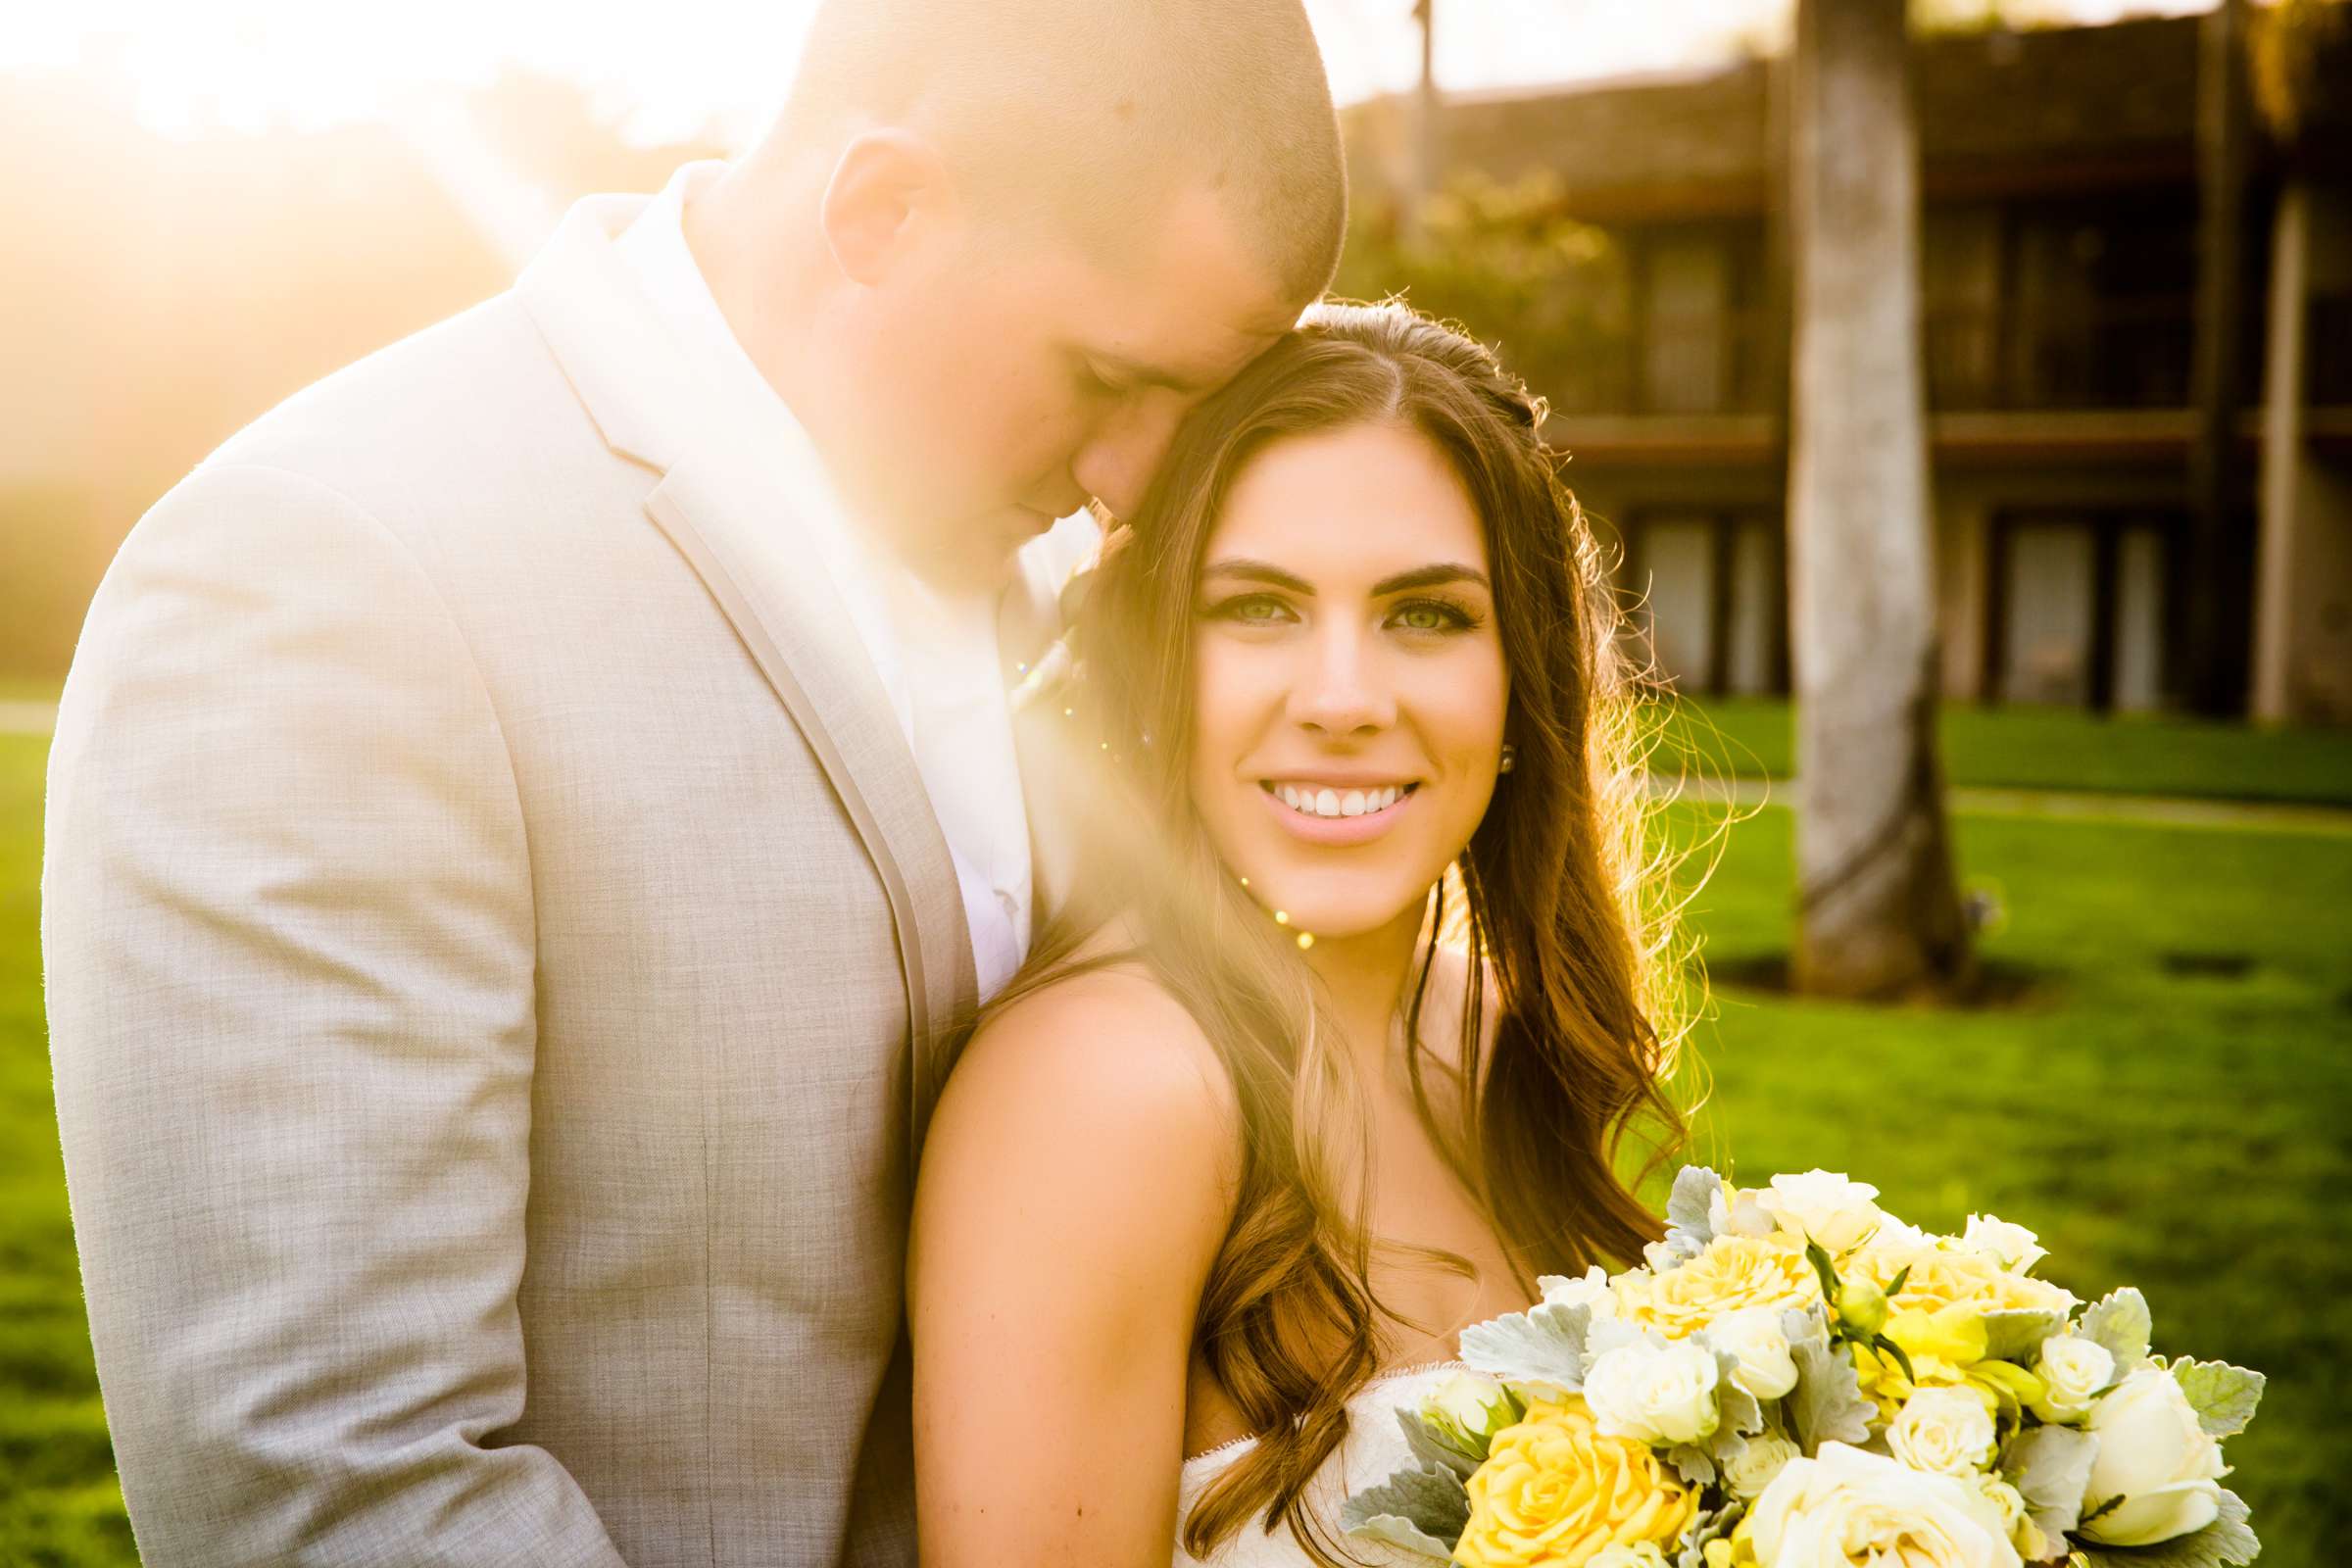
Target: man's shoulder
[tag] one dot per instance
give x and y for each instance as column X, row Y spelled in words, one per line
column 450, row 404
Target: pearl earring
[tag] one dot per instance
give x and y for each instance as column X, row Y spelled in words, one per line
column 1510, row 757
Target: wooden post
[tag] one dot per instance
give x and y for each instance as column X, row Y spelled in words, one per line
column 2218, row 581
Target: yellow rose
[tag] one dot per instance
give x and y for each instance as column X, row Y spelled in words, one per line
column 1946, row 1349
column 1555, row 1491
column 1733, row 1274
column 1942, row 1277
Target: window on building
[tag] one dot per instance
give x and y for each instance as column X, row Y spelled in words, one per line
column 1713, row 597
column 1703, row 342
column 2080, row 609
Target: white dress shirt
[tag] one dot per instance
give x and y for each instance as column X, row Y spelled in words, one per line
column 935, row 653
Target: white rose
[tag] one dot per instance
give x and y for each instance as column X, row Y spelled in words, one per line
column 1733, row 1212
column 1752, row 1471
column 1592, row 1291
column 1469, row 1406
column 1945, row 1430
column 1754, row 1335
column 2013, row 1247
column 1654, row 1393
column 2155, row 1457
column 1824, row 1206
column 2016, row 1519
column 1642, row 1554
column 2072, row 1371
column 1847, row 1506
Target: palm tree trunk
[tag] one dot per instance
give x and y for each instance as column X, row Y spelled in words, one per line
column 1879, row 911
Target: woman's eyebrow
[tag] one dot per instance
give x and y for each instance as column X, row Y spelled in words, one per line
column 1433, row 577
column 1264, row 572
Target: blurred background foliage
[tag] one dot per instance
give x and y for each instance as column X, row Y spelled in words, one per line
column 1506, row 260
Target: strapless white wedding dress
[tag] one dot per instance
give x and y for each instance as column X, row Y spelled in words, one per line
column 1373, row 1451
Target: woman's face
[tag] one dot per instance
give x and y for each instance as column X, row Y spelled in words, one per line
column 1350, row 686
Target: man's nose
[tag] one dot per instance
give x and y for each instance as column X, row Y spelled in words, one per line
column 1115, row 466
column 1341, row 692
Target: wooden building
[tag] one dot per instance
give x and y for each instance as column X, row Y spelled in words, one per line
column 2059, row 260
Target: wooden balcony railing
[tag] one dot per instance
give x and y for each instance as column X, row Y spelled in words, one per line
column 2110, row 353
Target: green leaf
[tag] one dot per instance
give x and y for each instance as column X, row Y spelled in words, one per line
column 1887, row 1347
column 1434, row 1448
column 2226, row 1543
column 1827, row 1404
column 1542, row 1345
column 2120, row 1322
column 1420, row 1510
column 1823, row 1267
column 2050, row 1467
column 2223, row 1396
column 2017, row 1336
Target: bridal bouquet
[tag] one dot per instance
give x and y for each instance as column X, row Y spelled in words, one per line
column 1798, row 1379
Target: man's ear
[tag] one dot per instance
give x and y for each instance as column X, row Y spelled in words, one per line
column 884, row 184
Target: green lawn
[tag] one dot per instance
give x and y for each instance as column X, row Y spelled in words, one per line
column 2059, row 749
column 2175, row 1130
column 58, row 1499
column 29, row 688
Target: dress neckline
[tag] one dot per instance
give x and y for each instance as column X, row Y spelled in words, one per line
column 1376, row 1380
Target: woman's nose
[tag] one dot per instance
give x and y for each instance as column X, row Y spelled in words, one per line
column 1340, row 692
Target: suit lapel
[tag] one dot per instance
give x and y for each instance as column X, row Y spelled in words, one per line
column 732, row 519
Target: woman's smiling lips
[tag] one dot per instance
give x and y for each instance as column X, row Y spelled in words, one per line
column 1334, row 812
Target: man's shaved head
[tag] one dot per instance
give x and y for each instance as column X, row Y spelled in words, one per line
column 994, row 251
column 1094, row 113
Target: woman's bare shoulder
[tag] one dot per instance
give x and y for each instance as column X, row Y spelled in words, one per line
column 1105, row 1060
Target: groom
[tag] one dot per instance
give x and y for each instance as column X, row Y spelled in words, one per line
column 529, row 815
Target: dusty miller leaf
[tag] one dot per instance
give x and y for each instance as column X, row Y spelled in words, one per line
column 2050, row 1467
column 1434, row 1448
column 1542, row 1345
column 1693, row 1463
column 1420, row 1510
column 1713, row 1524
column 2223, row 1396
column 1827, row 1404
column 2226, row 1543
column 1402, row 1533
column 2017, row 1336
column 2120, row 1322
column 1690, row 1213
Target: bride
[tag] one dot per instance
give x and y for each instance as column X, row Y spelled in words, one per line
column 1224, row 1172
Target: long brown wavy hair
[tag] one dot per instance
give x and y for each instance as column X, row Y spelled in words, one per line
column 1557, row 900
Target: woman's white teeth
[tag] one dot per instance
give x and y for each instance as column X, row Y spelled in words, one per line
column 1335, row 802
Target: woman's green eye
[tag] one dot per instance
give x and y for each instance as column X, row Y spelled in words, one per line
column 1427, row 616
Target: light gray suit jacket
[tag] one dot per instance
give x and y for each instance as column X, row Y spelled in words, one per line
column 500, row 957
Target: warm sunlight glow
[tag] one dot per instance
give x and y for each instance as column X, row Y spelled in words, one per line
column 247, row 65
